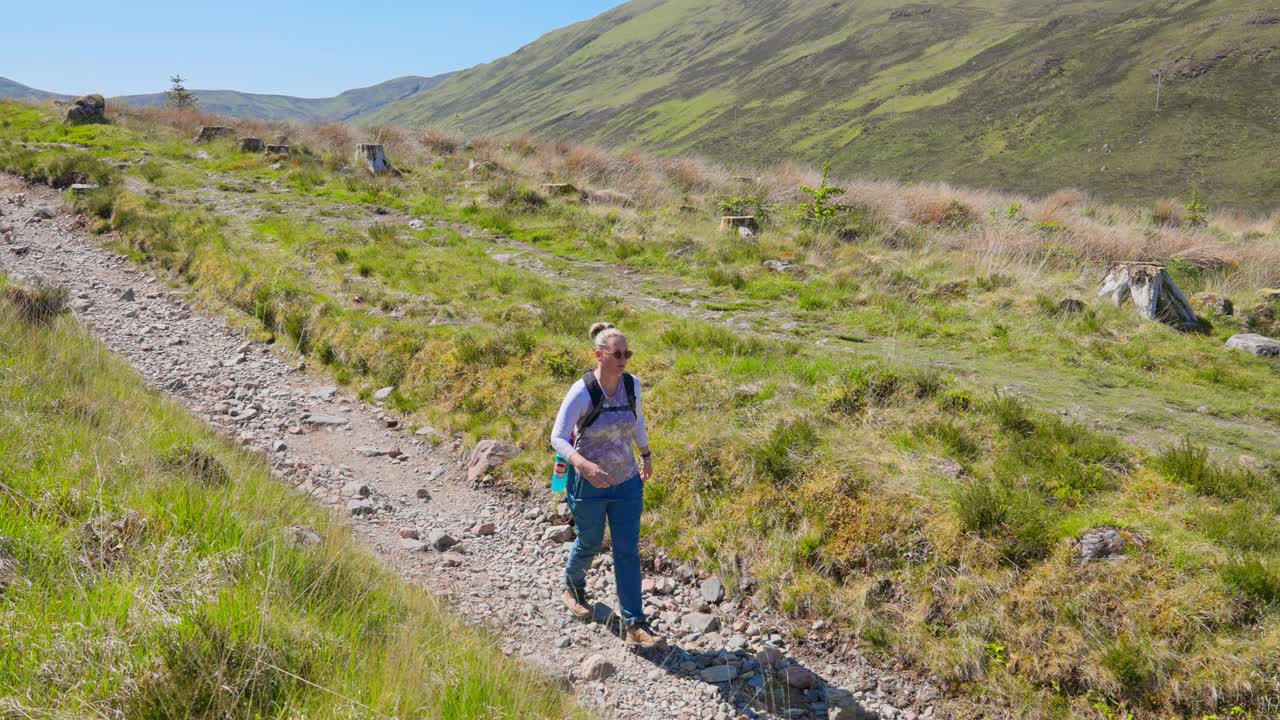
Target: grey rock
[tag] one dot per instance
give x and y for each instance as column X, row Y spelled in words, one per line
column 596, row 667
column 325, row 420
column 43, row 213
column 302, row 536
column 325, row 393
column 355, row 489
column 701, row 622
column 719, row 673
column 412, row 545
column 801, row 678
column 1216, row 302
column 361, row 508
column 128, row 295
column 713, row 590
column 769, row 656
column 424, row 494
column 559, row 533
column 1102, row 543
column 440, row 540
column 487, row 455
column 1259, row 345
column 378, row 452
column 452, row 559
column 383, row 393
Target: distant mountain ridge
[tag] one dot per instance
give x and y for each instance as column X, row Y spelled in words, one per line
column 345, row 106
column 1029, row 96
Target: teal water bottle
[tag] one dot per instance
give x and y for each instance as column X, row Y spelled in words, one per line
column 560, row 476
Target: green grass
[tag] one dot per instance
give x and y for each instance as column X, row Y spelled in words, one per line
column 818, row 460
column 151, row 573
column 978, row 94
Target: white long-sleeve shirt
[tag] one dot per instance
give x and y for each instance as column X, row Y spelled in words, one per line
column 609, row 441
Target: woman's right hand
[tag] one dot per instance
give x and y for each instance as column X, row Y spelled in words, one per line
column 596, row 475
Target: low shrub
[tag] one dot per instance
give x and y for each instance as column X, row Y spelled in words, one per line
column 781, row 456
column 39, row 303
column 1190, row 464
column 1255, row 577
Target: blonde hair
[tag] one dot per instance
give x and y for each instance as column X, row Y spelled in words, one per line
column 603, row 332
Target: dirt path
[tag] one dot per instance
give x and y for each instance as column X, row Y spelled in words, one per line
column 505, row 571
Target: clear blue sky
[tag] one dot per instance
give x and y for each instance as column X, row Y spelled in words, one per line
column 310, row 49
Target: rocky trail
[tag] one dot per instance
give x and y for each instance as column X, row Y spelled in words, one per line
column 420, row 502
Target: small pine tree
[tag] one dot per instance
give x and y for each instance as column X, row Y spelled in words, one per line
column 1196, row 210
column 179, row 96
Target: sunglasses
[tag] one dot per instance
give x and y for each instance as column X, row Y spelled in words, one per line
column 618, row 354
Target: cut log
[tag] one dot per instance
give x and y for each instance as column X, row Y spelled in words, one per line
column 1153, row 292
column 213, row 132
column 373, row 158
column 278, row 150
column 252, row 145
column 729, row 222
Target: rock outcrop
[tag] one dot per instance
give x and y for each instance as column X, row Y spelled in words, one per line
column 88, row 110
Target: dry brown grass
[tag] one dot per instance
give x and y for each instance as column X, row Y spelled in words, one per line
column 1244, row 249
column 1167, row 213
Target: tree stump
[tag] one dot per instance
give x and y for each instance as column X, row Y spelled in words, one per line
column 729, row 222
column 278, row 150
column 252, row 145
column 373, row 158
column 213, row 132
column 1155, row 295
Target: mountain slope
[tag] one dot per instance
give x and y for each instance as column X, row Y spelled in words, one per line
column 344, row 106
column 11, row 89
column 1028, row 96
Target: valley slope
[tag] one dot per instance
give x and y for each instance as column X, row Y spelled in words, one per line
column 1028, row 96
column 343, row 106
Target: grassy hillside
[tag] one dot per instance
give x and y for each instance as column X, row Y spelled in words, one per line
column 1021, row 96
column 893, row 425
column 344, row 106
column 147, row 569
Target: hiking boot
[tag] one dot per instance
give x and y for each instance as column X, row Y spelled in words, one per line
column 576, row 600
column 642, row 635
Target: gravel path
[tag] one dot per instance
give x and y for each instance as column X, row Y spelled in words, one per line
column 403, row 490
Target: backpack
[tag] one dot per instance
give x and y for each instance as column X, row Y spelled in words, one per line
column 597, row 407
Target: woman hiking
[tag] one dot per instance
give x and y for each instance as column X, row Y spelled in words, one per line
column 598, row 422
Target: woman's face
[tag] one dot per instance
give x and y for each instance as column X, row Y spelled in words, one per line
column 614, row 357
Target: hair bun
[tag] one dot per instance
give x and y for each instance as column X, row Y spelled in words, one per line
column 599, row 328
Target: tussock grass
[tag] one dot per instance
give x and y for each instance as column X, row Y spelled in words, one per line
column 149, row 571
column 863, row 469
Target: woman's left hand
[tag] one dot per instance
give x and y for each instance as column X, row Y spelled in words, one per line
column 646, row 470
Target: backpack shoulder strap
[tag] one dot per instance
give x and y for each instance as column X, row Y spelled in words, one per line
column 597, row 400
column 629, row 382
